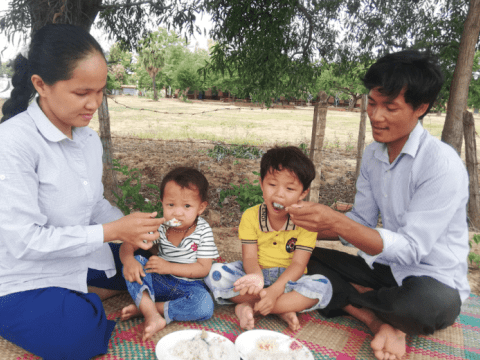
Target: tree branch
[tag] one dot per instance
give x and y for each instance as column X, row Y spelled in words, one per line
column 309, row 18
column 120, row 6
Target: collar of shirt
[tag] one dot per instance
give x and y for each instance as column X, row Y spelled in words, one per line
column 265, row 225
column 50, row 131
column 410, row 147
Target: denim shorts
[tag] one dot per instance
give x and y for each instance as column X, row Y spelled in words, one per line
column 222, row 276
column 184, row 300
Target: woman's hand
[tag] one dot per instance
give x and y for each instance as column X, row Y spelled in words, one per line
column 250, row 284
column 157, row 265
column 134, row 229
column 133, row 271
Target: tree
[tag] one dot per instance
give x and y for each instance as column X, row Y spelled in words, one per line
column 453, row 129
column 152, row 52
column 474, row 90
column 187, row 76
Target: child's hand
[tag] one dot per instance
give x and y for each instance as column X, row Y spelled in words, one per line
column 157, row 265
column 133, row 271
column 268, row 298
column 250, row 283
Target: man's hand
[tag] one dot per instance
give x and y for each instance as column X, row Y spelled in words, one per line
column 268, row 298
column 250, row 284
column 133, row 271
column 157, row 265
column 312, row 216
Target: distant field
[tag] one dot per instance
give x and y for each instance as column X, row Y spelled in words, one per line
column 226, row 122
column 174, row 119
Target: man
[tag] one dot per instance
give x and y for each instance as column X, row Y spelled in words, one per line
column 410, row 275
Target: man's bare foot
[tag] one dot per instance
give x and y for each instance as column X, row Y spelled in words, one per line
column 388, row 343
column 129, row 312
column 244, row 313
column 291, row 319
column 153, row 325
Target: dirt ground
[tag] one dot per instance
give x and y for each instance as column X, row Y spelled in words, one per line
column 154, row 158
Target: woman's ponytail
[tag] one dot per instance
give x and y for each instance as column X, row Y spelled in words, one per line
column 23, row 90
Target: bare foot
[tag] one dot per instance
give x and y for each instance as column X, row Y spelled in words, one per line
column 244, row 313
column 153, row 325
column 129, row 312
column 388, row 343
column 291, row 319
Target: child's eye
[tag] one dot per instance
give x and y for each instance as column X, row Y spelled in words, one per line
column 291, row 189
column 187, row 206
column 171, row 205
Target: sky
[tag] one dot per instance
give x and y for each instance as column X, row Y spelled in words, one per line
column 11, row 50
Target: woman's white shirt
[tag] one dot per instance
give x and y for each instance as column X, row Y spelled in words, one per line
column 51, row 205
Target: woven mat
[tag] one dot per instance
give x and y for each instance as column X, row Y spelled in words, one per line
column 340, row 338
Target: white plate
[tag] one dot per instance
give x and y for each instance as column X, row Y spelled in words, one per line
column 247, row 342
column 168, row 343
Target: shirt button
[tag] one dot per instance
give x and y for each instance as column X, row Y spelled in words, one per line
column 274, row 243
column 85, row 183
column 2, row 177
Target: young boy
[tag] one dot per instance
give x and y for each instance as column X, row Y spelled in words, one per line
column 172, row 287
column 271, row 278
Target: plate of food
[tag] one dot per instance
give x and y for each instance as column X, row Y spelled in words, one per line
column 270, row 345
column 195, row 345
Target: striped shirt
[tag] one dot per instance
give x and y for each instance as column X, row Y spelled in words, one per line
column 422, row 198
column 198, row 245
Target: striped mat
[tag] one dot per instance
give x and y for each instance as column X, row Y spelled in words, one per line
column 340, row 338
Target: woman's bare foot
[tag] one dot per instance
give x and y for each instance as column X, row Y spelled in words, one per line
column 129, row 312
column 244, row 313
column 153, row 325
column 388, row 343
column 291, row 319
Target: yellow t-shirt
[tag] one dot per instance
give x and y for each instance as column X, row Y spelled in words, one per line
column 275, row 248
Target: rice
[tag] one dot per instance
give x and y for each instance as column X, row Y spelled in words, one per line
column 267, row 348
column 200, row 348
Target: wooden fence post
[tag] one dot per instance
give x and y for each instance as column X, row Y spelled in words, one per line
column 361, row 134
column 109, row 177
column 471, row 161
column 316, row 146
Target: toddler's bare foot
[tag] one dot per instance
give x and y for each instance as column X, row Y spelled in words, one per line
column 129, row 312
column 291, row 319
column 388, row 343
column 153, row 325
column 244, row 313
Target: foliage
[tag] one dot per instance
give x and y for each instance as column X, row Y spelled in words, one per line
column 186, row 75
column 473, row 257
column 6, row 69
column 152, row 52
column 474, row 89
column 130, row 198
column 219, row 152
column 246, row 195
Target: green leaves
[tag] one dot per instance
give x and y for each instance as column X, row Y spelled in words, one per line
column 130, row 198
column 246, row 195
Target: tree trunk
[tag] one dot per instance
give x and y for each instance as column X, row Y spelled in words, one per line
column 154, row 83
column 361, row 134
column 316, row 147
column 109, row 177
column 471, row 160
column 457, row 102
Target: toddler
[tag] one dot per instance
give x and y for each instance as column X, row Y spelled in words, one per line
column 169, row 285
column 275, row 252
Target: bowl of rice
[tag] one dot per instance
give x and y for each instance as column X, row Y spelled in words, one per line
column 195, row 345
column 270, row 345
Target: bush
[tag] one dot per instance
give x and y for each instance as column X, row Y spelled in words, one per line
column 247, row 195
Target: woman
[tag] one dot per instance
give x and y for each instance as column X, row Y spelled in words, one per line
column 54, row 221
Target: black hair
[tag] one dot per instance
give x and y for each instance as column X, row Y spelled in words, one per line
column 54, row 52
column 186, row 178
column 417, row 72
column 291, row 158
